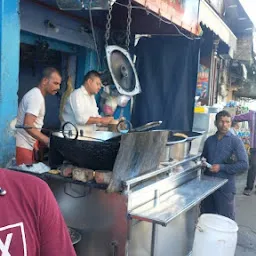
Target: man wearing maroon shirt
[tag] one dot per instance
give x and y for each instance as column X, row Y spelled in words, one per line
column 31, row 223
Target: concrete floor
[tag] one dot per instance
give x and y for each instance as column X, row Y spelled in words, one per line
column 246, row 219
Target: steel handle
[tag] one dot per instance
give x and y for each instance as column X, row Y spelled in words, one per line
column 125, row 123
column 147, row 126
column 69, row 134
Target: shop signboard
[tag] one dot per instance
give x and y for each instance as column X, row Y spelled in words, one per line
column 183, row 13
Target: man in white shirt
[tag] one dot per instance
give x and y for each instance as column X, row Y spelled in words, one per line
column 81, row 108
column 31, row 113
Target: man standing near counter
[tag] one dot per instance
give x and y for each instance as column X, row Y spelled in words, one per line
column 227, row 156
column 81, row 108
column 31, row 113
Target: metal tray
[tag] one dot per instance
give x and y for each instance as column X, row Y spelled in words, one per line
column 177, row 201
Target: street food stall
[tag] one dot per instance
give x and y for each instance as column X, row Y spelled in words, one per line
column 132, row 193
column 149, row 205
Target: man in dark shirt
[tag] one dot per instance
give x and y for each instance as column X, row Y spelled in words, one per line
column 227, row 156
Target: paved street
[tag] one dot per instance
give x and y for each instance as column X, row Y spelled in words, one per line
column 246, row 219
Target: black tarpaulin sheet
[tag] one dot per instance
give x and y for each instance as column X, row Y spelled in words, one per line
column 167, row 69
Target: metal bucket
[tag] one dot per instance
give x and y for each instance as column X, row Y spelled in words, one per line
column 183, row 151
column 175, row 149
column 178, row 151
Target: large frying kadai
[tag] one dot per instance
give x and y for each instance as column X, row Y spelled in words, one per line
column 95, row 150
column 83, row 152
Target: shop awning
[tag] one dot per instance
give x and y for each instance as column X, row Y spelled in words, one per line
column 213, row 21
column 182, row 13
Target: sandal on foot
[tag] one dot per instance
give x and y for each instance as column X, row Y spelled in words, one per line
column 247, row 192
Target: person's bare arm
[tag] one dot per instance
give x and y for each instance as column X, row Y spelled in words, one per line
column 35, row 133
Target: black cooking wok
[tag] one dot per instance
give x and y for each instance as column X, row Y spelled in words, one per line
column 86, row 152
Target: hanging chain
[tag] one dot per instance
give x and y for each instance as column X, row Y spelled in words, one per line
column 108, row 24
column 129, row 21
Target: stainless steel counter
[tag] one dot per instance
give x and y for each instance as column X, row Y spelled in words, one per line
column 164, row 209
column 164, row 212
column 166, row 167
column 154, row 215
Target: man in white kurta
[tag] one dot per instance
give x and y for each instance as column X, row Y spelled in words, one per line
column 81, row 108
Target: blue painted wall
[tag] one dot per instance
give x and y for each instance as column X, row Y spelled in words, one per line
column 68, row 27
column 9, row 71
column 81, row 63
column 30, row 38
